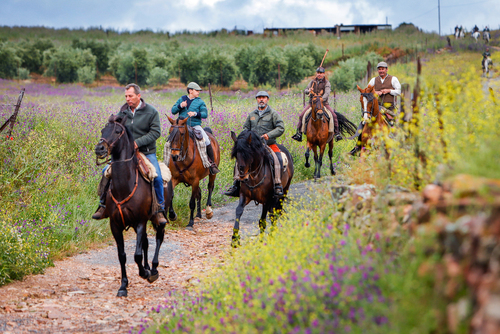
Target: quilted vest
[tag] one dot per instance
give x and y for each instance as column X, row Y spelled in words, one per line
column 318, row 87
column 387, row 98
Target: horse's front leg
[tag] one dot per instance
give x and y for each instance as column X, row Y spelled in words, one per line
column 208, row 211
column 307, row 164
column 195, row 188
column 122, row 257
column 330, row 156
column 140, row 230
column 198, row 204
column 316, row 162
column 145, row 247
column 263, row 216
column 169, row 199
column 160, row 234
column 235, row 239
column 320, row 159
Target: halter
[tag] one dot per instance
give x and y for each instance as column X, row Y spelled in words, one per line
column 182, row 156
column 369, row 98
column 255, row 172
column 109, row 146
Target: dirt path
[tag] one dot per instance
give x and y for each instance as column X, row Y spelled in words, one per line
column 77, row 295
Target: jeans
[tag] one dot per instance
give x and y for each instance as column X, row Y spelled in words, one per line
column 205, row 136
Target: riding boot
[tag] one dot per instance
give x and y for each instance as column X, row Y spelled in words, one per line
column 103, row 191
column 234, row 190
column 297, row 136
column 338, row 136
column 278, row 190
column 213, row 167
column 159, row 218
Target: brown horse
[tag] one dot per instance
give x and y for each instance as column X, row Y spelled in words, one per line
column 256, row 177
column 373, row 120
column 318, row 136
column 129, row 199
column 187, row 167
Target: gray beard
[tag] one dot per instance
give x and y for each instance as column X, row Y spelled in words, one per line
column 261, row 106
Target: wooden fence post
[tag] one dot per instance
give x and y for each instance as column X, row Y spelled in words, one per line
column 12, row 119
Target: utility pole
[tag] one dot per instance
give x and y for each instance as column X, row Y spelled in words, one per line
column 439, row 16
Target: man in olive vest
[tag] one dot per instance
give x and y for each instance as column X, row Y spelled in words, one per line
column 318, row 85
column 387, row 87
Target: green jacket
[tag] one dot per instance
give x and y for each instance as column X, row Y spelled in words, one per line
column 144, row 125
column 197, row 105
column 270, row 122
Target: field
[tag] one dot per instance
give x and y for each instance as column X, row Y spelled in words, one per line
column 344, row 276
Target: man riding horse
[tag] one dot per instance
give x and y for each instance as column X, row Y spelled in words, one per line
column 387, row 87
column 269, row 125
column 143, row 121
column 487, row 55
column 319, row 85
column 194, row 107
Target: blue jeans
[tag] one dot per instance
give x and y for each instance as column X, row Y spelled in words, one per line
column 158, row 181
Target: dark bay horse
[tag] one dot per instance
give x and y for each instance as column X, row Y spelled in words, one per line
column 129, row 199
column 373, row 120
column 187, row 167
column 318, row 136
column 256, row 176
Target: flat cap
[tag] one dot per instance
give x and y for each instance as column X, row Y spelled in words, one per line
column 382, row 64
column 262, row 93
column 194, row 85
column 320, row 69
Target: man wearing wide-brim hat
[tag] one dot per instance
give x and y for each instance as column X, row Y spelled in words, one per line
column 387, row 87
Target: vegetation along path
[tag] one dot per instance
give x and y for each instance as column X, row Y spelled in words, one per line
column 77, row 295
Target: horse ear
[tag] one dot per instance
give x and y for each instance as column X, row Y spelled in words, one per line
column 359, row 88
column 249, row 140
column 233, row 136
column 183, row 121
column 171, row 120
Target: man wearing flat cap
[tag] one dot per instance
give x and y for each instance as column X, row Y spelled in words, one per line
column 268, row 124
column 387, row 87
column 319, row 85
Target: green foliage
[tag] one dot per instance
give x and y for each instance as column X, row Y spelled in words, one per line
column 86, row 74
column 352, row 70
column 131, row 66
column 23, row 73
column 10, row 62
column 217, row 68
column 158, row 76
column 100, row 50
column 188, row 65
column 65, row 62
column 31, row 57
column 300, row 64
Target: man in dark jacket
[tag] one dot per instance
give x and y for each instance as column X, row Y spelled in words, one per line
column 144, row 122
column 268, row 124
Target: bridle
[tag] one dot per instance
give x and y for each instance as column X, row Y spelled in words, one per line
column 109, row 146
column 253, row 173
column 183, row 151
column 369, row 98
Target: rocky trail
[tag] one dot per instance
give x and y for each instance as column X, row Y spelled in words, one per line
column 78, row 294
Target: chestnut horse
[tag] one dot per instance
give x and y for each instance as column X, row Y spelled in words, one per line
column 373, row 120
column 318, row 136
column 129, row 199
column 187, row 167
column 255, row 174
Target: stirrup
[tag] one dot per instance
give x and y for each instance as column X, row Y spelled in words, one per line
column 338, row 137
column 297, row 136
column 213, row 169
column 99, row 214
column 233, row 191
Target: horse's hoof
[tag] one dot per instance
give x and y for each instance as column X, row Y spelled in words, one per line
column 189, row 228
column 153, row 278
column 333, row 171
column 209, row 213
column 307, row 165
column 172, row 217
column 198, row 220
column 147, row 274
column 235, row 244
column 121, row 293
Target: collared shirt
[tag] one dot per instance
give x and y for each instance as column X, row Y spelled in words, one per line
column 138, row 107
column 394, row 82
column 261, row 112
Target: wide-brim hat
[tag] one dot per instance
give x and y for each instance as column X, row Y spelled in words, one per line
column 194, row 85
column 382, row 64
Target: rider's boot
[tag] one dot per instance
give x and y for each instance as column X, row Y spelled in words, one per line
column 297, row 136
column 234, row 190
column 159, row 217
column 103, row 190
column 338, row 136
column 213, row 167
column 278, row 190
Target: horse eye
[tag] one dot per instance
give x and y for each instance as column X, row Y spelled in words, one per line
column 117, row 132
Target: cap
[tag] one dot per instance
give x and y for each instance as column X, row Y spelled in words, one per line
column 194, row 85
column 320, row 69
column 262, row 93
column 382, row 64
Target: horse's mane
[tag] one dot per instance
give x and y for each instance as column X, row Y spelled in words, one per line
column 247, row 149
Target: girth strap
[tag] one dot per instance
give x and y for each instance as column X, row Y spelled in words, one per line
column 119, row 204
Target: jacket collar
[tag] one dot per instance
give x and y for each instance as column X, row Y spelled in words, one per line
column 127, row 107
column 268, row 109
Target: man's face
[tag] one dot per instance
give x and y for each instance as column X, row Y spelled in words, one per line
column 194, row 93
column 132, row 98
column 262, row 101
column 382, row 71
column 320, row 75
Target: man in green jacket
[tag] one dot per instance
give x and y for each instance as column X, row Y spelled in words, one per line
column 267, row 123
column 144, row 122
column 195, row 108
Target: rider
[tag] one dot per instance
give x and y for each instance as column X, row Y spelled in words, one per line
column 387, row 87
column 268, row 124
column 486, row 29
column 144, row 122
column 321, row 84
column 487, row 55
column 475, row 28
column 193, row 107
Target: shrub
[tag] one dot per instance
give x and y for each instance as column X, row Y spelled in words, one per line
column 188, row 65
column 158, row 76
column 86, row 74
column 217, row 68
column 10, row 62
column 300, row 64
column 65, row 62
column 23, row 73
column 100, row 50
column 31, row 57
column 131, row 66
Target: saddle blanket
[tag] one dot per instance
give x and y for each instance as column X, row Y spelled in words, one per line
column 331, row 125
column 149, row 174
column 202, row 149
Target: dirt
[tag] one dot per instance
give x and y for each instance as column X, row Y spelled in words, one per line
column 78, row 294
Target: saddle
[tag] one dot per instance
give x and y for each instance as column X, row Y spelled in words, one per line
column 308, row 115
column 147, row 169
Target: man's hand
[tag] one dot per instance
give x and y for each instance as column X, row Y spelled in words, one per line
column 265, row 136
column 183, row 104
column 135, row 146
column 191, row 114
column 383, row 91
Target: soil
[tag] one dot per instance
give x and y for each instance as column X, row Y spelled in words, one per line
column 78, row 294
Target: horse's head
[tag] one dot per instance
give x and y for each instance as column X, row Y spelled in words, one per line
column 111, row 134
column 178, row 138
column 248, row 150
column 369, row 104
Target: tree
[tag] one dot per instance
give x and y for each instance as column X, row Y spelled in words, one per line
column 10, row 62
column 218, row 68
column 131, row 66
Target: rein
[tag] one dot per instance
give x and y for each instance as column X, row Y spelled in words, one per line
column 256, row 172
column 119, row 204
column 110, row 146
column 182, row 157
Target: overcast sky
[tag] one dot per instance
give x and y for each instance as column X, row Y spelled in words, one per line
column 207, row 15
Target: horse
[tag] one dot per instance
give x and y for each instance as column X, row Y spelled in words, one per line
column 318, row 136
column 129, row 199
column 457, row 33
column 475, row 35
column 187, row 167
column 486, row 36
column 373, row 119
column 486, row 67
column 255, row 174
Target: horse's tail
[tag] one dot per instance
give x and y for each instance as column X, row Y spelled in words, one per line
column 345, row 125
